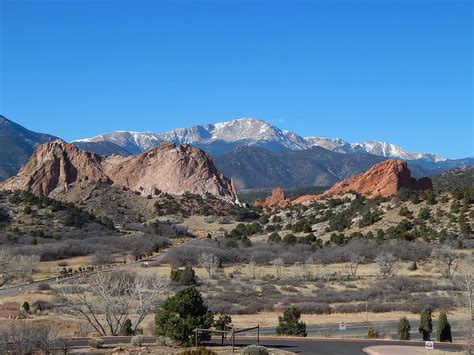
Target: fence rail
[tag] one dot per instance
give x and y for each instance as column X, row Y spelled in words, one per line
column 232, row 332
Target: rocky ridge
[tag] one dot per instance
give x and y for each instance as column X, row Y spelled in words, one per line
column 382, row 179
column 55, row 166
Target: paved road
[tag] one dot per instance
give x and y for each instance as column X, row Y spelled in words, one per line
column 359, row 330
column 299, row 346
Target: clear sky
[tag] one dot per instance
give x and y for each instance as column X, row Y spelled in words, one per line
column 393, row 70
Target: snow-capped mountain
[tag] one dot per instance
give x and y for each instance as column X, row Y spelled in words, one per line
column 392, row 151
column 224, row 137
column 133, row 142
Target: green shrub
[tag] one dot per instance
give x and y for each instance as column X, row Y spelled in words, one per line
column 289, row 239
column 426, row 324
column 184, row 277
column 403, row 329
column 274, row 238
column 372, row 333
column 444, row 329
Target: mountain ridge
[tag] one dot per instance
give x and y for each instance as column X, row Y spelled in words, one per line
column 16, row 146
column 252, row 132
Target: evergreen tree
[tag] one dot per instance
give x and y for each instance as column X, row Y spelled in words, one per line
column 181, row 314
column 426, row 324
column 26, row 307
column 290, row 323
column 404, row 329
column 224, row 322
column 444, row 329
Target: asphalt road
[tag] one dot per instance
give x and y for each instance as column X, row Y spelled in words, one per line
column 296, row 345
column 359, row 330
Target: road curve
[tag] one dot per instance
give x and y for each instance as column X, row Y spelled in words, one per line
column 297, row 345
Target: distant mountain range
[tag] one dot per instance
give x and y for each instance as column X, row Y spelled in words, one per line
column 252, row 152
column 17, row 144
column 224, row 137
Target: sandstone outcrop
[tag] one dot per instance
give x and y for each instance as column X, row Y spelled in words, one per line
column 383, row 179
column 168, row 168
column 276, row 200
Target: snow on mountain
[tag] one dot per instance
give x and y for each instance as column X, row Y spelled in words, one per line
column 392, row 151
column 251, row 132
column 134, row 142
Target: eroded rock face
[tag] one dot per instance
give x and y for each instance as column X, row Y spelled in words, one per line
column 276, row 200
column 383, row 179
column 167, row 168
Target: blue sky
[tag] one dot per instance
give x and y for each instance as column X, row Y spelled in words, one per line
column 393, row 70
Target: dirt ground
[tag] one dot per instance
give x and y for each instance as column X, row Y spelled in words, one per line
column 403, row 350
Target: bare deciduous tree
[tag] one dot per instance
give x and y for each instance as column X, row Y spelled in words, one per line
column 355, row 259
column 107, row 299
column 252, row 265
column 386, row 263
column 464, row 280
column 449, row 261
column 210, row 262
column 15, row 266
column 307, row 269
column 278, row 264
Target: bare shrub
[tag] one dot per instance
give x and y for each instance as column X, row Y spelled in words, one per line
column 43, row 287
column 23, row 337
column 386, row 263
column 210, row 262
column 448, row 260
column 15, row 266
column 102, row 257
column 278, row 265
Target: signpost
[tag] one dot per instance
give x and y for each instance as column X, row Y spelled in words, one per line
column 429, row 345
column 342, row 326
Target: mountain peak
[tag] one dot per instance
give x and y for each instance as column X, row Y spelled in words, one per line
column 223, row 137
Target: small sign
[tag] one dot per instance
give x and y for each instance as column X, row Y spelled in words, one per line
column 429, row 345
column 10, row 310
column 342, row 326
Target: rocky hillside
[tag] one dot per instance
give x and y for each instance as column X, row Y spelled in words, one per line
column 456, row 178
column 383, row 179
column 56, row 166
column 16, row 146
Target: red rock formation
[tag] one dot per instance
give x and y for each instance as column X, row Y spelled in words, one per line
column 383, row 179
column 276, row 200
column 167, row 168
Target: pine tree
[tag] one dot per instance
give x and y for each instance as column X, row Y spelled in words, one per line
column 289, row 324
column 404, row 329
column 26, row 307
column 426, row 324
column 181, row 314
column 444, row 329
